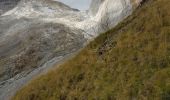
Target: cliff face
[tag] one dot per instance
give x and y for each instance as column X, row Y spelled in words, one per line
column 94, row 7
column 111, row 12
column 108, row 13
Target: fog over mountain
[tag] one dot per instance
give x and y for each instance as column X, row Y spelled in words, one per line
column 39, row 33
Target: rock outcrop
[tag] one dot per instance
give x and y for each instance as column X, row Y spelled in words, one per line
column 107, row 13
column 94, row 7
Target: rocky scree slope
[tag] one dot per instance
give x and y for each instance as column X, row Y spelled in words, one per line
column 129, row 62
column 26, row 36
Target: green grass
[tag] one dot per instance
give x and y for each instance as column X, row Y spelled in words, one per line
column 129, row 62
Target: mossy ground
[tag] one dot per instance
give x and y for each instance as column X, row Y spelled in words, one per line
column 129, row 62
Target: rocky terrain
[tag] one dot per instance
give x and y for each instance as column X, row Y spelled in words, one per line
column 37, row 31
column 29, row 42
column 6, row 5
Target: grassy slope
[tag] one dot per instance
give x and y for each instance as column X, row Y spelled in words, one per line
column 131, row 61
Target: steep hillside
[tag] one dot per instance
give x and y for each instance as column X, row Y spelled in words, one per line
column 129, row 62
column 36, row 34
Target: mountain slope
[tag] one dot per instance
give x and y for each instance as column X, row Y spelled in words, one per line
column 36, row 34
column 129, row 62
column 23, row 38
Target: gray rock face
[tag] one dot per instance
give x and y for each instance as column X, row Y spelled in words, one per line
column 94, row 7
column 6, row 5
column 35, row 43
column 109, row 13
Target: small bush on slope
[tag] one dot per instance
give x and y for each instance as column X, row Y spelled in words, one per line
column 129, row 62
